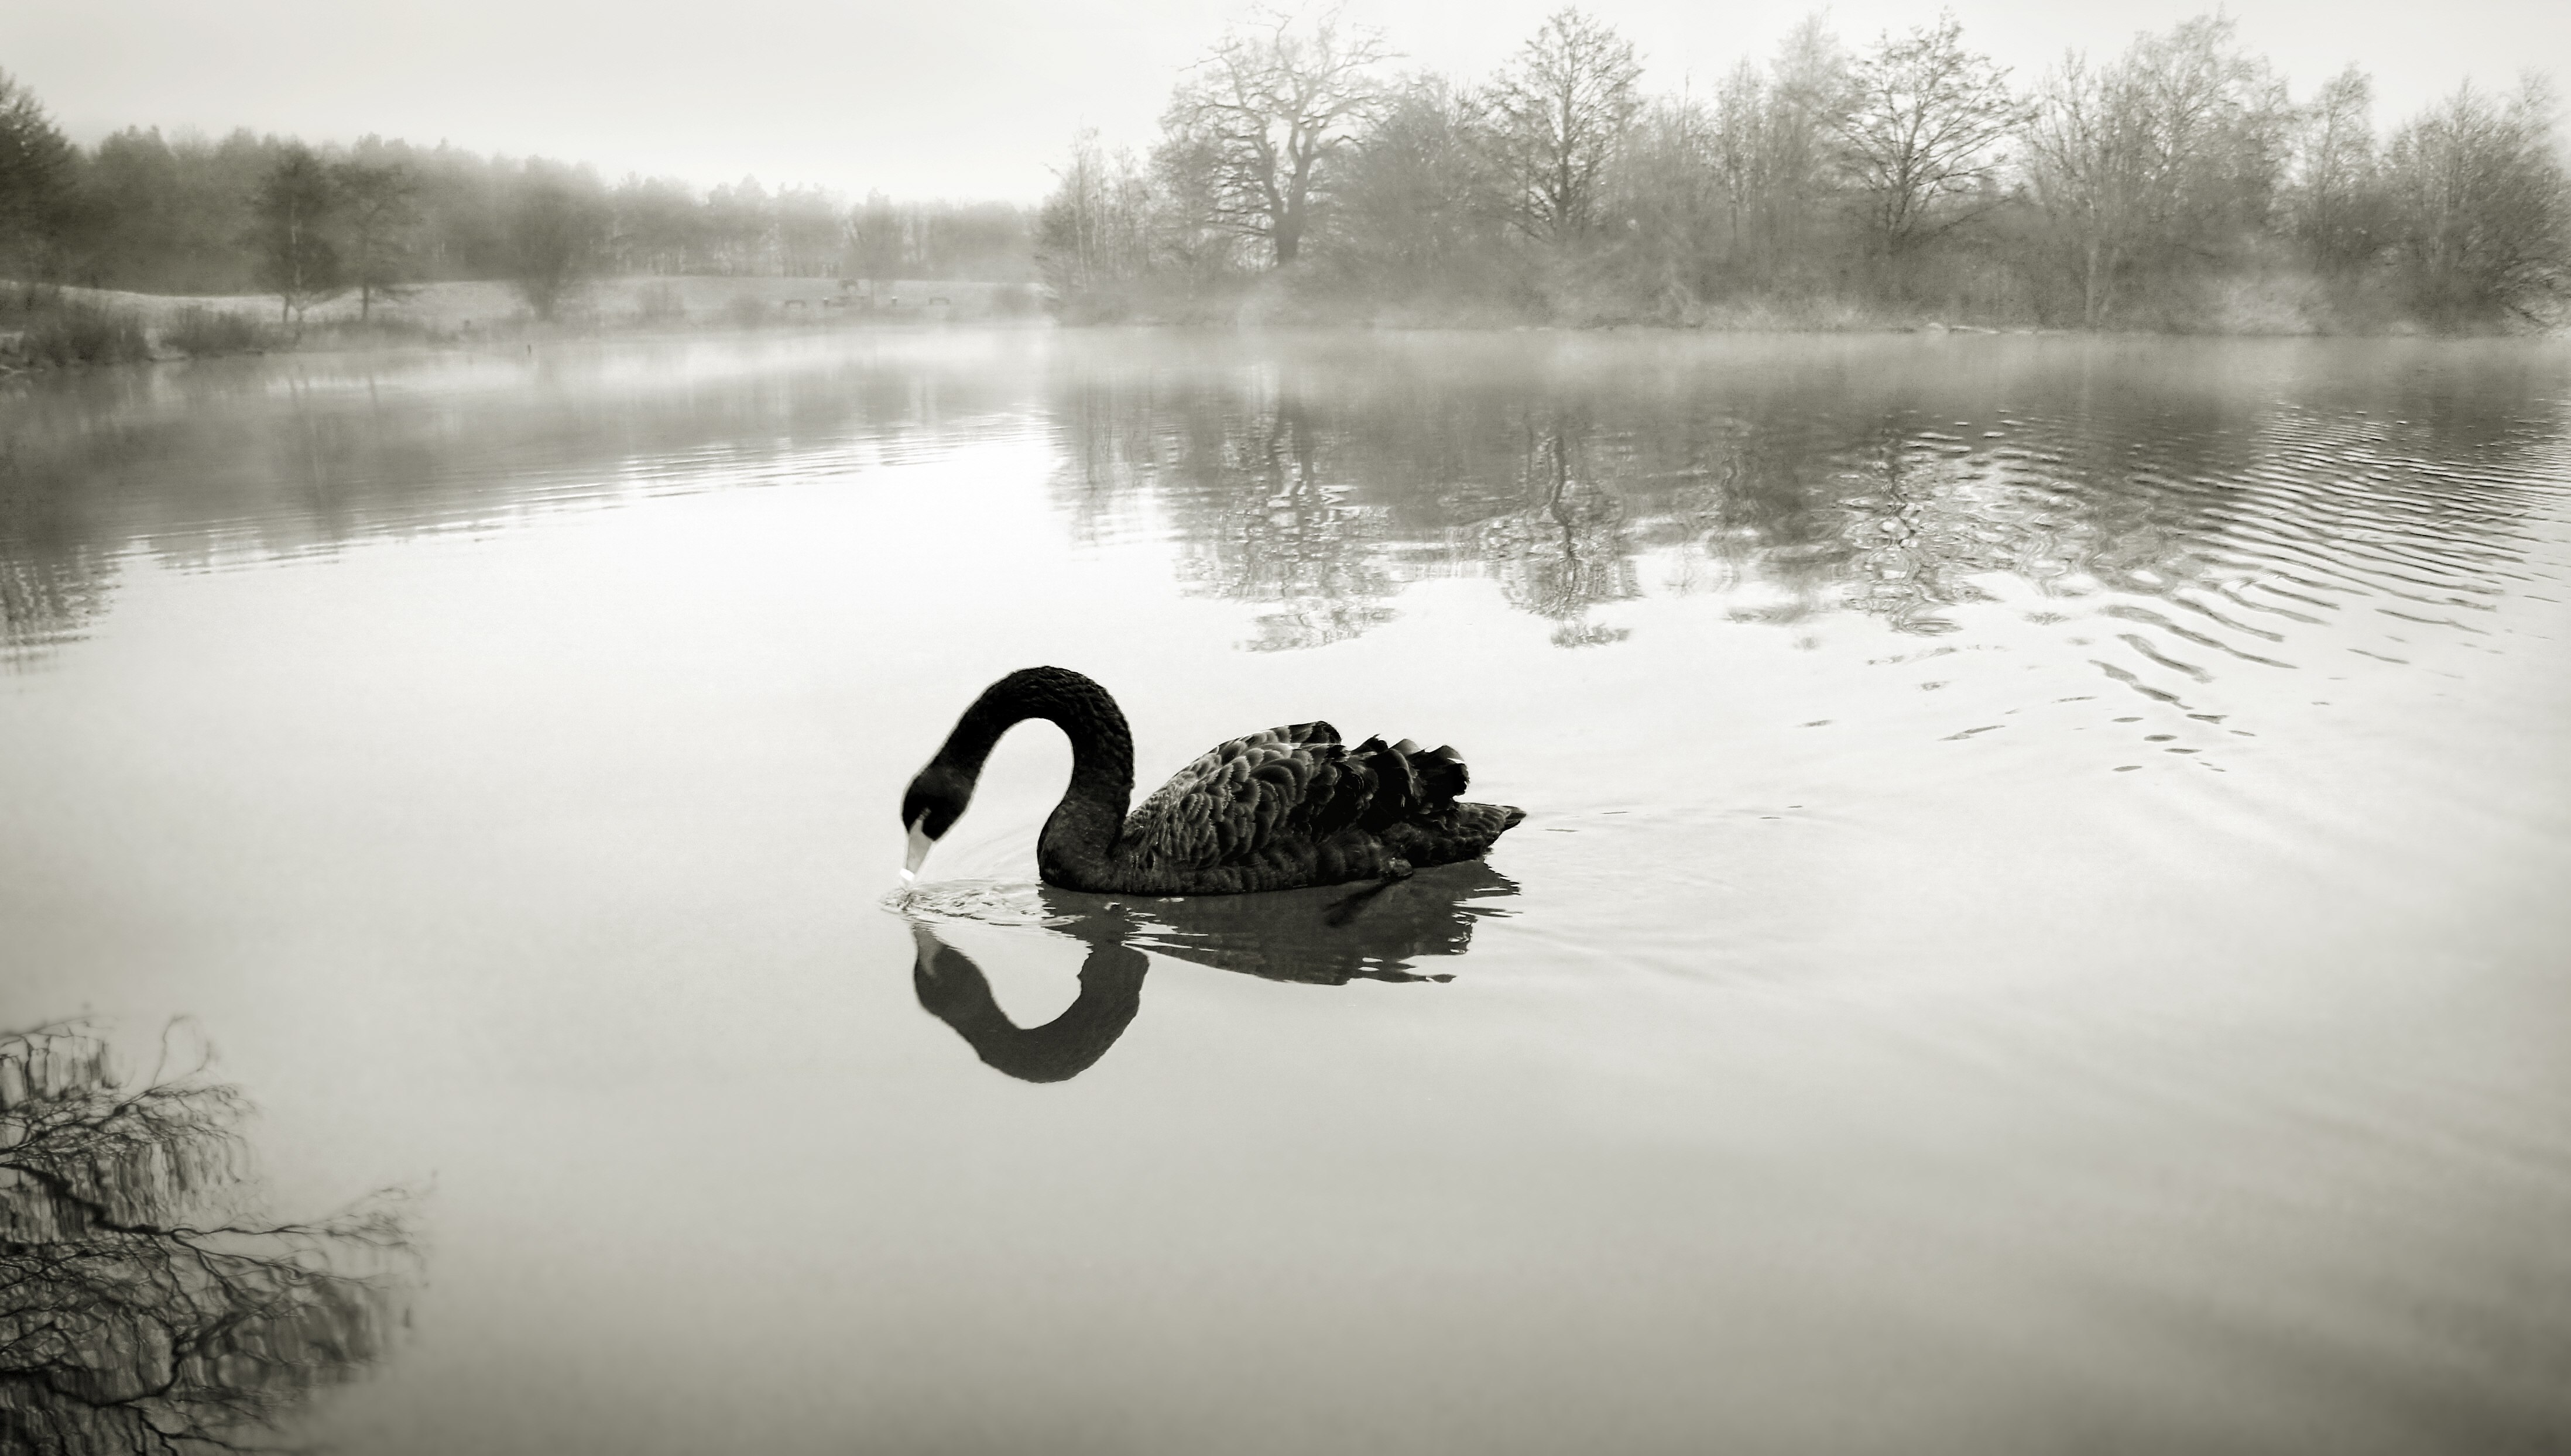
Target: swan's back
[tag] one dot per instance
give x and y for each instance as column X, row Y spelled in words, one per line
column 1294, row 805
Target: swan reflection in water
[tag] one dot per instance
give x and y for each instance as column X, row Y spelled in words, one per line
column 143, row 1309
column 1319, row 937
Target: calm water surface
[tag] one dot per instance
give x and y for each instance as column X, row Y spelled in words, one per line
column 2040, row 923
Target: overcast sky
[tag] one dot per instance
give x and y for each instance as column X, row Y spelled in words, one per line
column 976, row 98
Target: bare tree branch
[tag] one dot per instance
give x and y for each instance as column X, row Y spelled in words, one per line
column 1256, row 129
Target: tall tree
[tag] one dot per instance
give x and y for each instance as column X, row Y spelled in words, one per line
column 1257, row 127
column 808, row 229
column 1668, row 186
column 875, row 242
column 1807, row 94
column 2144, row 162
column 1775, row 146
column 35, row 180
column 556, row 235
column 658, row 226
column 1094, row 233
column 1924, row 119
column 1562, row 107
column 2337, row 212
column 1418, row 201
column 740, row 223
column 292, row 214
column 2483, row 207
column 379, row 206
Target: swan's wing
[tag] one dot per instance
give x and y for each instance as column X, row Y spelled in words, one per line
column 1246, row 795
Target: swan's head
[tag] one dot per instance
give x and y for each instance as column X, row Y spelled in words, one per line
column 935, row 801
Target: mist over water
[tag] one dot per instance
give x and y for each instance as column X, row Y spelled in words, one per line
column 2038, row 923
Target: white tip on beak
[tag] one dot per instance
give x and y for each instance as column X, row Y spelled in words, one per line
column 920, row 842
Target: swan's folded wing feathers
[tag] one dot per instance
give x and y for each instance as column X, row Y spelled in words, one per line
column 1239, row 796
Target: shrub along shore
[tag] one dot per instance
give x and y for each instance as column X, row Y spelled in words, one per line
column 55, row 327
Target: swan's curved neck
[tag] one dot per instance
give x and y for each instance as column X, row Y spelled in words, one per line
column 1079, row 838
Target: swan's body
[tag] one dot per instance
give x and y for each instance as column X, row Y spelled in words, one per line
column 1280, row 809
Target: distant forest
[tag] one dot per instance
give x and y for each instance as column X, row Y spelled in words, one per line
column 2176, row 185
column 254, row 214
column 1300, row 175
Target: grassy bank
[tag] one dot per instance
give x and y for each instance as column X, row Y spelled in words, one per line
column 66, row 328
column 51, row 328
column 2282, row 300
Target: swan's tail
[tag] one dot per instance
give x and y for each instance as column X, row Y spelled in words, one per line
column 1457, row 831
column 1415, row 805
column 1440, row 770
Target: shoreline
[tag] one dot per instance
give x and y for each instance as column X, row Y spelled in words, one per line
column 471, row 315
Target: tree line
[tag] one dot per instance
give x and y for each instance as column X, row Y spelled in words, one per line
column 2177, row 183
column 251, row 214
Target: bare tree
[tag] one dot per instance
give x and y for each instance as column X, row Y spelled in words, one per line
column 876, row 245
column 1670, row 189
column 809, row 225
column 2484, row 206
column 1739, row 108
column 1418, row 199
column 1774, row 146
column 556, row 235
column 1259, row 126
column 1561, row 110
column 1094, row 234
column 294, row 211
column 379, row 205
column 1925, row 116
column 2139, row 162
column 2337, row 209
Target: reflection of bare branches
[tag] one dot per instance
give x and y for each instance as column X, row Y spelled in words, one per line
column 47, row 600
column 1748, row 503
column 140, row 1308
column 52, row 580
column 1250, row 483
column 291, row 457
column 1284, row 534
column 1567, row 553
column 1794, row 482
column 1927, row 515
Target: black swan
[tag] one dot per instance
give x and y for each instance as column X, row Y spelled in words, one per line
column 1282, row 809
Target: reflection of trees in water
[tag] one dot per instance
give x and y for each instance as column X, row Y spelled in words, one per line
column 1566, row 553
column 141, row 1307
column 52, row 581
column 1317, row 938
column 1890, row 513
column 1275, row 528
column 1313, row 478
column 1798, row 478
column 47, row 598
column 189, row 463
column 1255, row 485
column 1294, row 492
column 1745, row 496
column 1920, row 522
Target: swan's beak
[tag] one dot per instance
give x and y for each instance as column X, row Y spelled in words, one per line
column 920, row 842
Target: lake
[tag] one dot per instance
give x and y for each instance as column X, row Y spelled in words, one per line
column 2040, row 923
